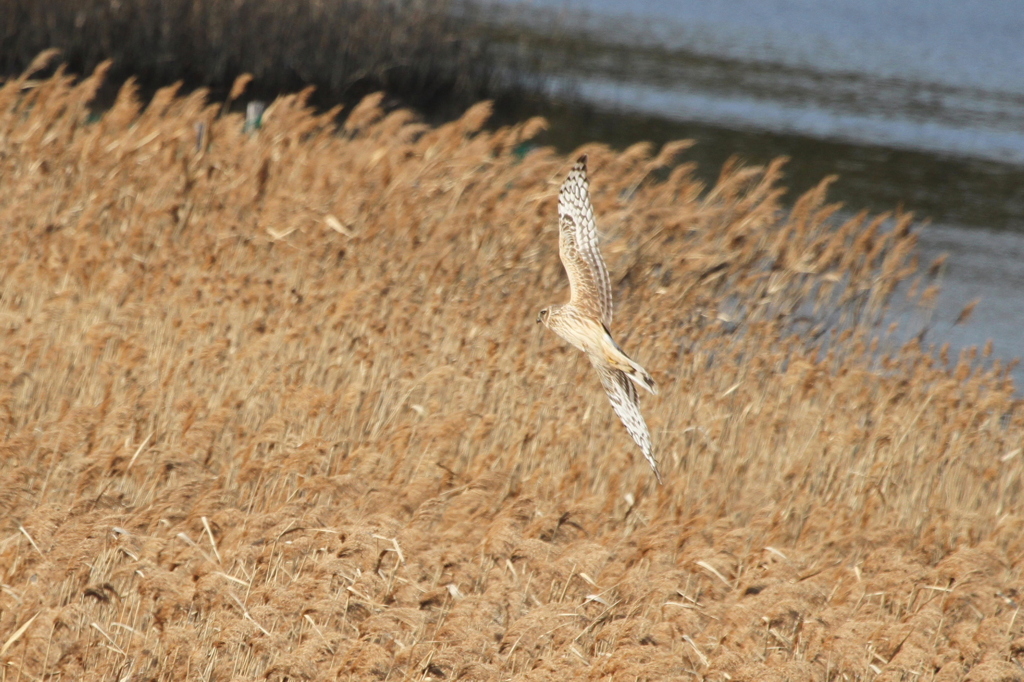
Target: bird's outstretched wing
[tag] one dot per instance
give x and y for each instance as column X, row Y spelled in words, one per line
column 589, row 283
column 622, row 394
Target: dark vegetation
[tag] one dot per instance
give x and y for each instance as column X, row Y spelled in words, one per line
column 433, row 56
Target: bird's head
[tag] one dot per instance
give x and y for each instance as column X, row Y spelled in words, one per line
column 542, row 316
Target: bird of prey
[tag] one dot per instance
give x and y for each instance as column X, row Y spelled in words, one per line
column 585, row 319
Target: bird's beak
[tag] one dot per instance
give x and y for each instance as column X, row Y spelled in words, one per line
column 538, row 318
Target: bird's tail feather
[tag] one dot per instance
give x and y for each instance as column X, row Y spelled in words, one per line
column 640, row 376
column 617, row 358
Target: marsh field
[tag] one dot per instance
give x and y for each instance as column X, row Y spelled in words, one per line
column 273, row 405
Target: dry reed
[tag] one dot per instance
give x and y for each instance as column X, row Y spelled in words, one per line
column 277, row 408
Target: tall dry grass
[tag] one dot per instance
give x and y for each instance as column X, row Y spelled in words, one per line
column 276, row 408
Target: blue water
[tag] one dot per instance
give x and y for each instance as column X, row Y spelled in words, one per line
column 930, row 75
column 986, row 266
column 959, row 43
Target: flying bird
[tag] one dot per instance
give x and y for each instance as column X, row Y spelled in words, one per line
column 585, row 320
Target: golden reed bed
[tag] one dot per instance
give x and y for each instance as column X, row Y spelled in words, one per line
column 277, row 408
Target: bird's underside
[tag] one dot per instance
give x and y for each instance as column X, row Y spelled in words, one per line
column 585, row 320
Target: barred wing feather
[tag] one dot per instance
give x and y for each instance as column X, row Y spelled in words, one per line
column 623, row 396
column 578, row 247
